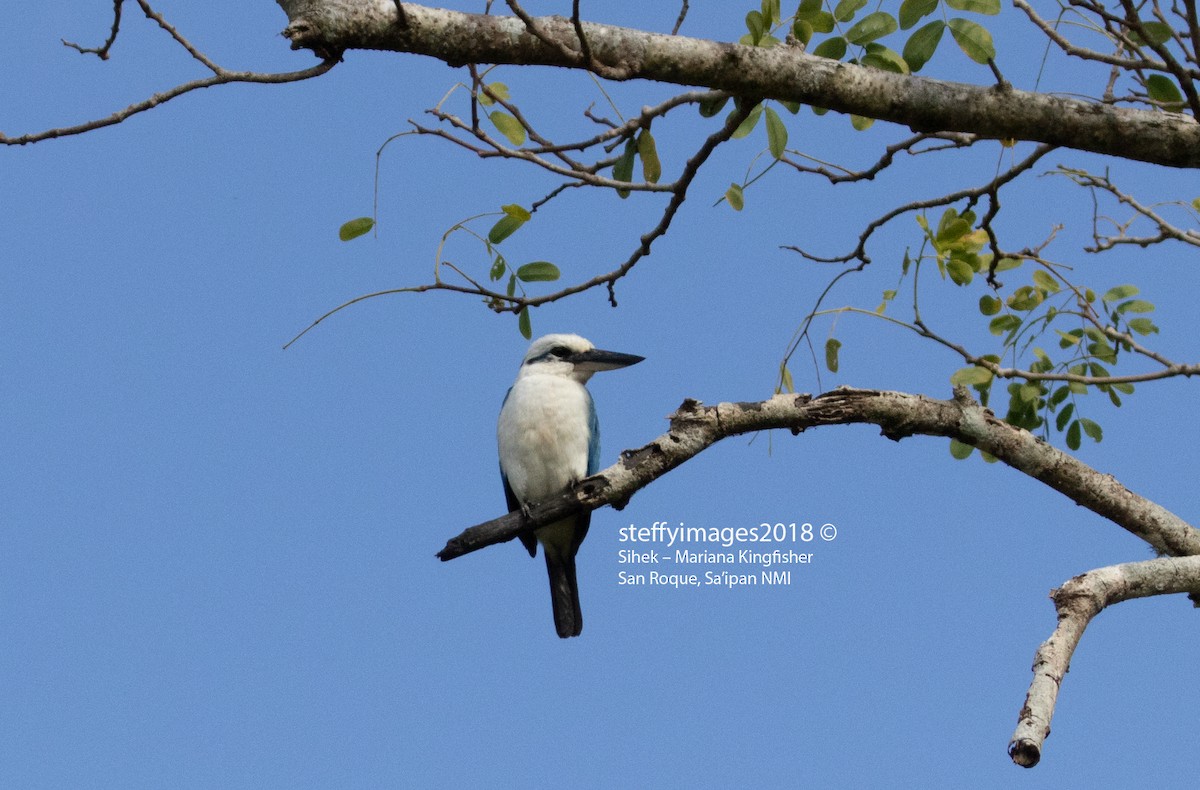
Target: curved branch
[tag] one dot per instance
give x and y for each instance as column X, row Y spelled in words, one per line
column 784, row 73
column 695, row 427
column 1077, row 602
column 102, row 50
column 220, row 76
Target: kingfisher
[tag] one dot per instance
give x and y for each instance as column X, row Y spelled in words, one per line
column 549, row 439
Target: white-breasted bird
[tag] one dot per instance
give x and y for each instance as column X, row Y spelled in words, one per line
column 549, row 439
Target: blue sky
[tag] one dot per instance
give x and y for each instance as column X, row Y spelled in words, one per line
column 216, row 556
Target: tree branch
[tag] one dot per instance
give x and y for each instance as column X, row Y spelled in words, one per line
column 783, row 73
column 1077, row 602
column 220, row 76
column 695, row 427
column 102, row 50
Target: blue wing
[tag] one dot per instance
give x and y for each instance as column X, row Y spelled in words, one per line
column 593, row 465
column 584, row 520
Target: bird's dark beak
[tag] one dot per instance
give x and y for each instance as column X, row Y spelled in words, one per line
column 597, row 359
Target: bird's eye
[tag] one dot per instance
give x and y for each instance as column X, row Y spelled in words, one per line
column 560, row 351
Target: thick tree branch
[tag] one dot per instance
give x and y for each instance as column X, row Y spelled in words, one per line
column 785, row 73
column 1077, row 602
column 695, row 427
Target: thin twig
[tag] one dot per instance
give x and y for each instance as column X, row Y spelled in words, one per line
column 102, row 50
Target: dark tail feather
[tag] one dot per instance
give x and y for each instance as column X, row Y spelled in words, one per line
column 564, row 593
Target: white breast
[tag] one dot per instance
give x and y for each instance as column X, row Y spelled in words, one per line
column 543, row 436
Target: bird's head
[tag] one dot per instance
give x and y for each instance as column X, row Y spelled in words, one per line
column 573, row 356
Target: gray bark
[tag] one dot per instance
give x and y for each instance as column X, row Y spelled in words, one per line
column 330, row 27
column 695, row 427
column 1077, row 602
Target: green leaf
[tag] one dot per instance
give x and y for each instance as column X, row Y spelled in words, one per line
column 1029, row 393
column 860, row 122
column 498, row 268
column 1092, row 429
column 1119, row 292
column 504, row 227
column 822, row 22
column 989, row 7
column 1143, row 326
column 989, row 305
column 1073, row 435
column 538, row 272
column 1008, row 264
column 971, row 375
column 972, row 39
column 499, row 89
column 802, row 29
column 813, row 12
column 960, row 271
column 517, row 211
column 623, row 167
column 1004, row 323
column 870, row 27
column 951, row 227
column 913, row 11
column 512, row 284
column 922, row 45
column 1155, row 33
column 1025, row 298
column 710, row 107
column 831, row 354
column 1064, row 416
column 791, row 106
column 1135, row 306
column 832, row 48
column 785, row 379
column 355, row 228
column 524, row 324
column 747, row 126
column 845, row 10
column 1069, row 339
column 777, row 134
column 756, row 25
column 509, row 126
column 880, row 57
column 770, row 12
column 1161, row 88
column 1045, row 281
column 648, row 151
column 959, row 450
column 735, row 197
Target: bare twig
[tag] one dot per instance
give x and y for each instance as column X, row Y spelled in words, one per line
column 224, row 78
column 102, row 50
column 1166, row 230
column 859, row 252
column 683, row 11
column 220, row 76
